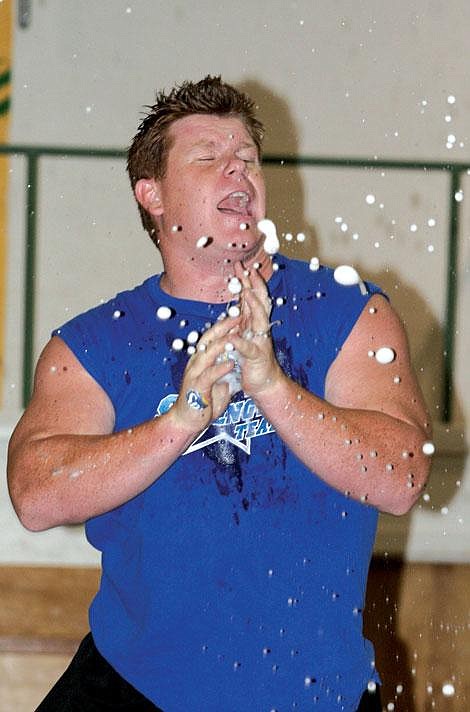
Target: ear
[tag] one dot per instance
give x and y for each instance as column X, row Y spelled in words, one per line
column 147, row 193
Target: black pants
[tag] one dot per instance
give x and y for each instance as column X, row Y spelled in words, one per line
column 90, row 684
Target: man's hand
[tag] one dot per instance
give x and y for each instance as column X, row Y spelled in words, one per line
column 260, row 369
column 202, row 397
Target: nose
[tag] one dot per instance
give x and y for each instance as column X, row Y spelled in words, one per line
column 235, row 166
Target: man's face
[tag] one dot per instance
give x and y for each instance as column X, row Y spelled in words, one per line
column 213, row 188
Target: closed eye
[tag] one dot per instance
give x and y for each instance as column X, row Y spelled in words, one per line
column 248, row 159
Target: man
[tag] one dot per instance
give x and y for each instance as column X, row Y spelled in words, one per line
column 237, row 525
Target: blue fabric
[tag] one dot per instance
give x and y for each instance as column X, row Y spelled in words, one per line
column 237, row 580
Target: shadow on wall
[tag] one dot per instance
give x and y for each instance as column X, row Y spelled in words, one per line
column 286, row 206
column 285, row 191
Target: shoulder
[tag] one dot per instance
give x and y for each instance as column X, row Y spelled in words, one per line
column 342, row 280
column 331, row 299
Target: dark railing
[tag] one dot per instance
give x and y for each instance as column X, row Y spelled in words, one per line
column 454, row 171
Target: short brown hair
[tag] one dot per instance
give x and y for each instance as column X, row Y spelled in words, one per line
column 148, row 152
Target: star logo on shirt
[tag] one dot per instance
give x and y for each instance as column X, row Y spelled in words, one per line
column 238, row 425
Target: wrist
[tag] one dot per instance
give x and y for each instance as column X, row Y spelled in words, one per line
column 273, row 388
column 183, row 428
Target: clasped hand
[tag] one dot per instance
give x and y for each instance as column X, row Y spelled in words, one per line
column 260, row 369
column 204, row 395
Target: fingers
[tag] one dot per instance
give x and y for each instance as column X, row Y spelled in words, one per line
column 201, row 399
column 247, row 348
column 220, row 329
column 261, row 290
column 204, row 360
column 256, row 303
column 259, row 316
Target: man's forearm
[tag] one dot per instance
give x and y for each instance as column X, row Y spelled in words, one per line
column 370, row 456
column 66, row 479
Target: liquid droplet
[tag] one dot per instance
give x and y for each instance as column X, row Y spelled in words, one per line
column 271, row 243
column 448, row 689
column 314, row 264
column 203, row 241
column 164, row 313
column 429, row 448
column 234, row 285
column 177, row 344
column 385, row 355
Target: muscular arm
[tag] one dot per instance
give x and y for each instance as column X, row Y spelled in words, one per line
column 365, row 438
column 66, row 465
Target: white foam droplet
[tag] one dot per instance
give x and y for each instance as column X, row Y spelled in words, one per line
column 429, row 448
column 234, row 286
column 233, row 311
column 177, row 344
column 271, row 243
column 346, row 275
column 163, row 313
column 300, row 237
column 192, row 337
column 370, row 199
column 314, row 264
column 385, row 355
column 448, row 689
column 202, row 242
column 451, row 99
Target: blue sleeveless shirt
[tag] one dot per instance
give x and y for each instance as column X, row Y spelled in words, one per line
column 236, row 581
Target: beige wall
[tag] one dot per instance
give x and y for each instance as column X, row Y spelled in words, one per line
column 337, row 78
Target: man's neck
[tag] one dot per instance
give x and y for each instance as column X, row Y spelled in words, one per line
column 206, row 282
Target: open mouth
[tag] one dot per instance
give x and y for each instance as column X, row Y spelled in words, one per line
column 236, row 203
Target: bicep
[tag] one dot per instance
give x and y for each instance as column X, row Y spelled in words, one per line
column 357, row 378
column 65, row 400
